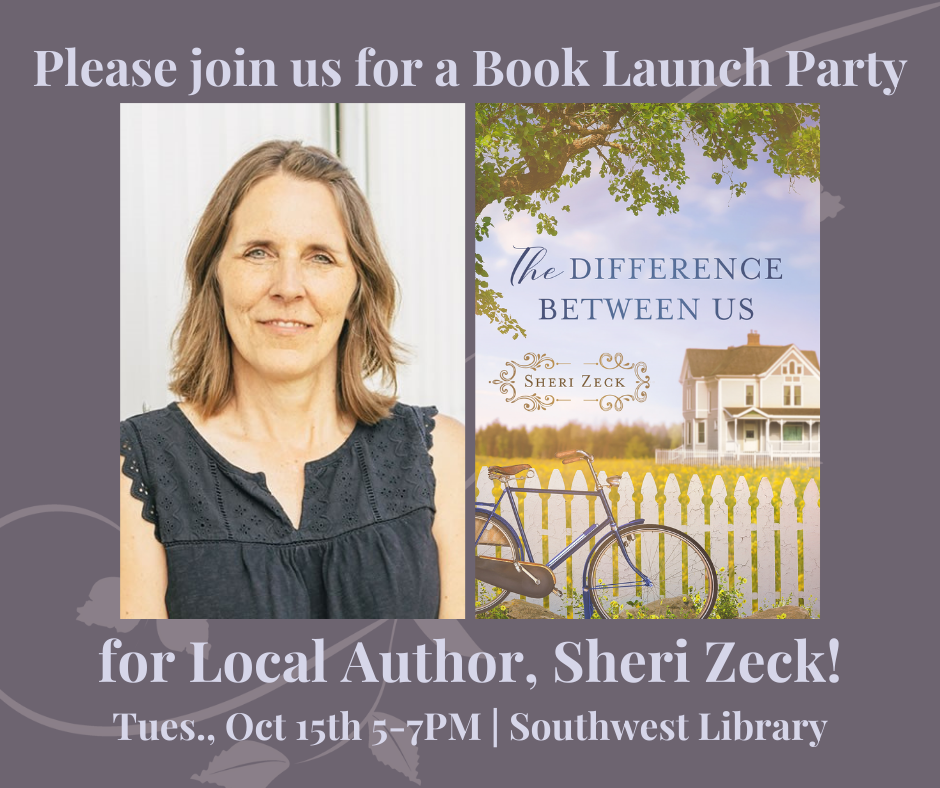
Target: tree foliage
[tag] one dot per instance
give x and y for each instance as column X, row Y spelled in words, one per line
column 526, row 154
column 618, row 440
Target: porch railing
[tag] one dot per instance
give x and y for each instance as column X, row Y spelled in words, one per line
column 751, row 459
column 794, row 447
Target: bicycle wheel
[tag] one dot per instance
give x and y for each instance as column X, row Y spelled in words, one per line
column 684, row 582
column 497, row 542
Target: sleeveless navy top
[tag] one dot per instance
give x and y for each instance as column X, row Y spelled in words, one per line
column 364, row 548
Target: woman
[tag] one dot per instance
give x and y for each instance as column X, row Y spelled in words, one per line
column 280, row 486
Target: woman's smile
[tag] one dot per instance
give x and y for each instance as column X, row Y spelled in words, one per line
column 286, row 328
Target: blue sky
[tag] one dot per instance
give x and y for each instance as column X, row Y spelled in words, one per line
column 772, row 219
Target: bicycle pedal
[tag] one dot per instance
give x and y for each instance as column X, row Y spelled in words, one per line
column 556, row 591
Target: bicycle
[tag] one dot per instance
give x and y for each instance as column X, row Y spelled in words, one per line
column 670, row 571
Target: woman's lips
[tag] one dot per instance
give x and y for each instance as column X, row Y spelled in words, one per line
column 285, row 327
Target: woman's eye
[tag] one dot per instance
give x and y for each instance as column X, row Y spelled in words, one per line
column 256, row 254
column 322, row 258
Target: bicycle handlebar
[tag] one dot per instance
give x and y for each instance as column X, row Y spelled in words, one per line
column 566, row 453
column 571, row 459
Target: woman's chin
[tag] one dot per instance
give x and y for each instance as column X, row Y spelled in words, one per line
column 284, row 371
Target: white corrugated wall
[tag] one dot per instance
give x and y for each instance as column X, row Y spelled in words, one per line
column 408, row 157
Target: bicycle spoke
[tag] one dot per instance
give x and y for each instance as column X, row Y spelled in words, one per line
column 674, row 563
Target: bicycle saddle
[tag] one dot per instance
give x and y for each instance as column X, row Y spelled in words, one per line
column 509, row 470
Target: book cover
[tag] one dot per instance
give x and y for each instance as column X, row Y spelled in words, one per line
column 648, row 294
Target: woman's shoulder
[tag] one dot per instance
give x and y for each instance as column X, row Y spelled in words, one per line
column 424, row 425
column 145, row 438
column 155, row 428
column 154, row 418
column 449, row 433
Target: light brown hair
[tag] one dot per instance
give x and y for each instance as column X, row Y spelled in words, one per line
column 202, row 371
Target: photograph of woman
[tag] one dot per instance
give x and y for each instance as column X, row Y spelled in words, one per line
column 287, row 480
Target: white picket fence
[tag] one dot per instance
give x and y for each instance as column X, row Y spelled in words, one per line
column 565, row 522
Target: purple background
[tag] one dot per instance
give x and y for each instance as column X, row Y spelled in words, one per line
column 59, row 345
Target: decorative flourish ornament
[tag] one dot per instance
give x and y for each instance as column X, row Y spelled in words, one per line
column 535, row 402
column 531, row 361
column 609, row 401
column 616, row 359
column 613, row 401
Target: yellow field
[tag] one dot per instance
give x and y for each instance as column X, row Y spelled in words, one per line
column 639, row 468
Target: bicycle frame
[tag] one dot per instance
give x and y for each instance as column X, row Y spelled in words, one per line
column 577, row 543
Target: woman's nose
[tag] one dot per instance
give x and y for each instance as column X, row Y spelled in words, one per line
column 288, row 281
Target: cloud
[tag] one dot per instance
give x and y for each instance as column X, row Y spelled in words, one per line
column 780, row 188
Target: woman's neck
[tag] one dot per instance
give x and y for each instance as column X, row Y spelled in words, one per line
column 300, row 416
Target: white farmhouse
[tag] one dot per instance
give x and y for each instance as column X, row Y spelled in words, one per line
column 751, row 404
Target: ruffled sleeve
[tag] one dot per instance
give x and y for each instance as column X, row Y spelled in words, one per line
column 134, row 468
column 426, row 423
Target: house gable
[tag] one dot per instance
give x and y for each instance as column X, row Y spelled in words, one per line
column 745, row 361
column 800, row 358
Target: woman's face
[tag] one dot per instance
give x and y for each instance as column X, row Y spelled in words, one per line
column 286, row 279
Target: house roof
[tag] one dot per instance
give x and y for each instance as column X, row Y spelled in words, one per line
column 743, row 360
column 774, row 412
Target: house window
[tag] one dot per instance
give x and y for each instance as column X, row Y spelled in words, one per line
column 793, row 432
column 748, row 395
column 792, row 367
column 799, row 370
column 786, row 395
column 797, row 395
column 701, row 432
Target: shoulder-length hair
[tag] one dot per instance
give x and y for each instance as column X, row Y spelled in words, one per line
column 202, row 372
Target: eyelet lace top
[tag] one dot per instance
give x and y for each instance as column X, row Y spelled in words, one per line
column 364, row 547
